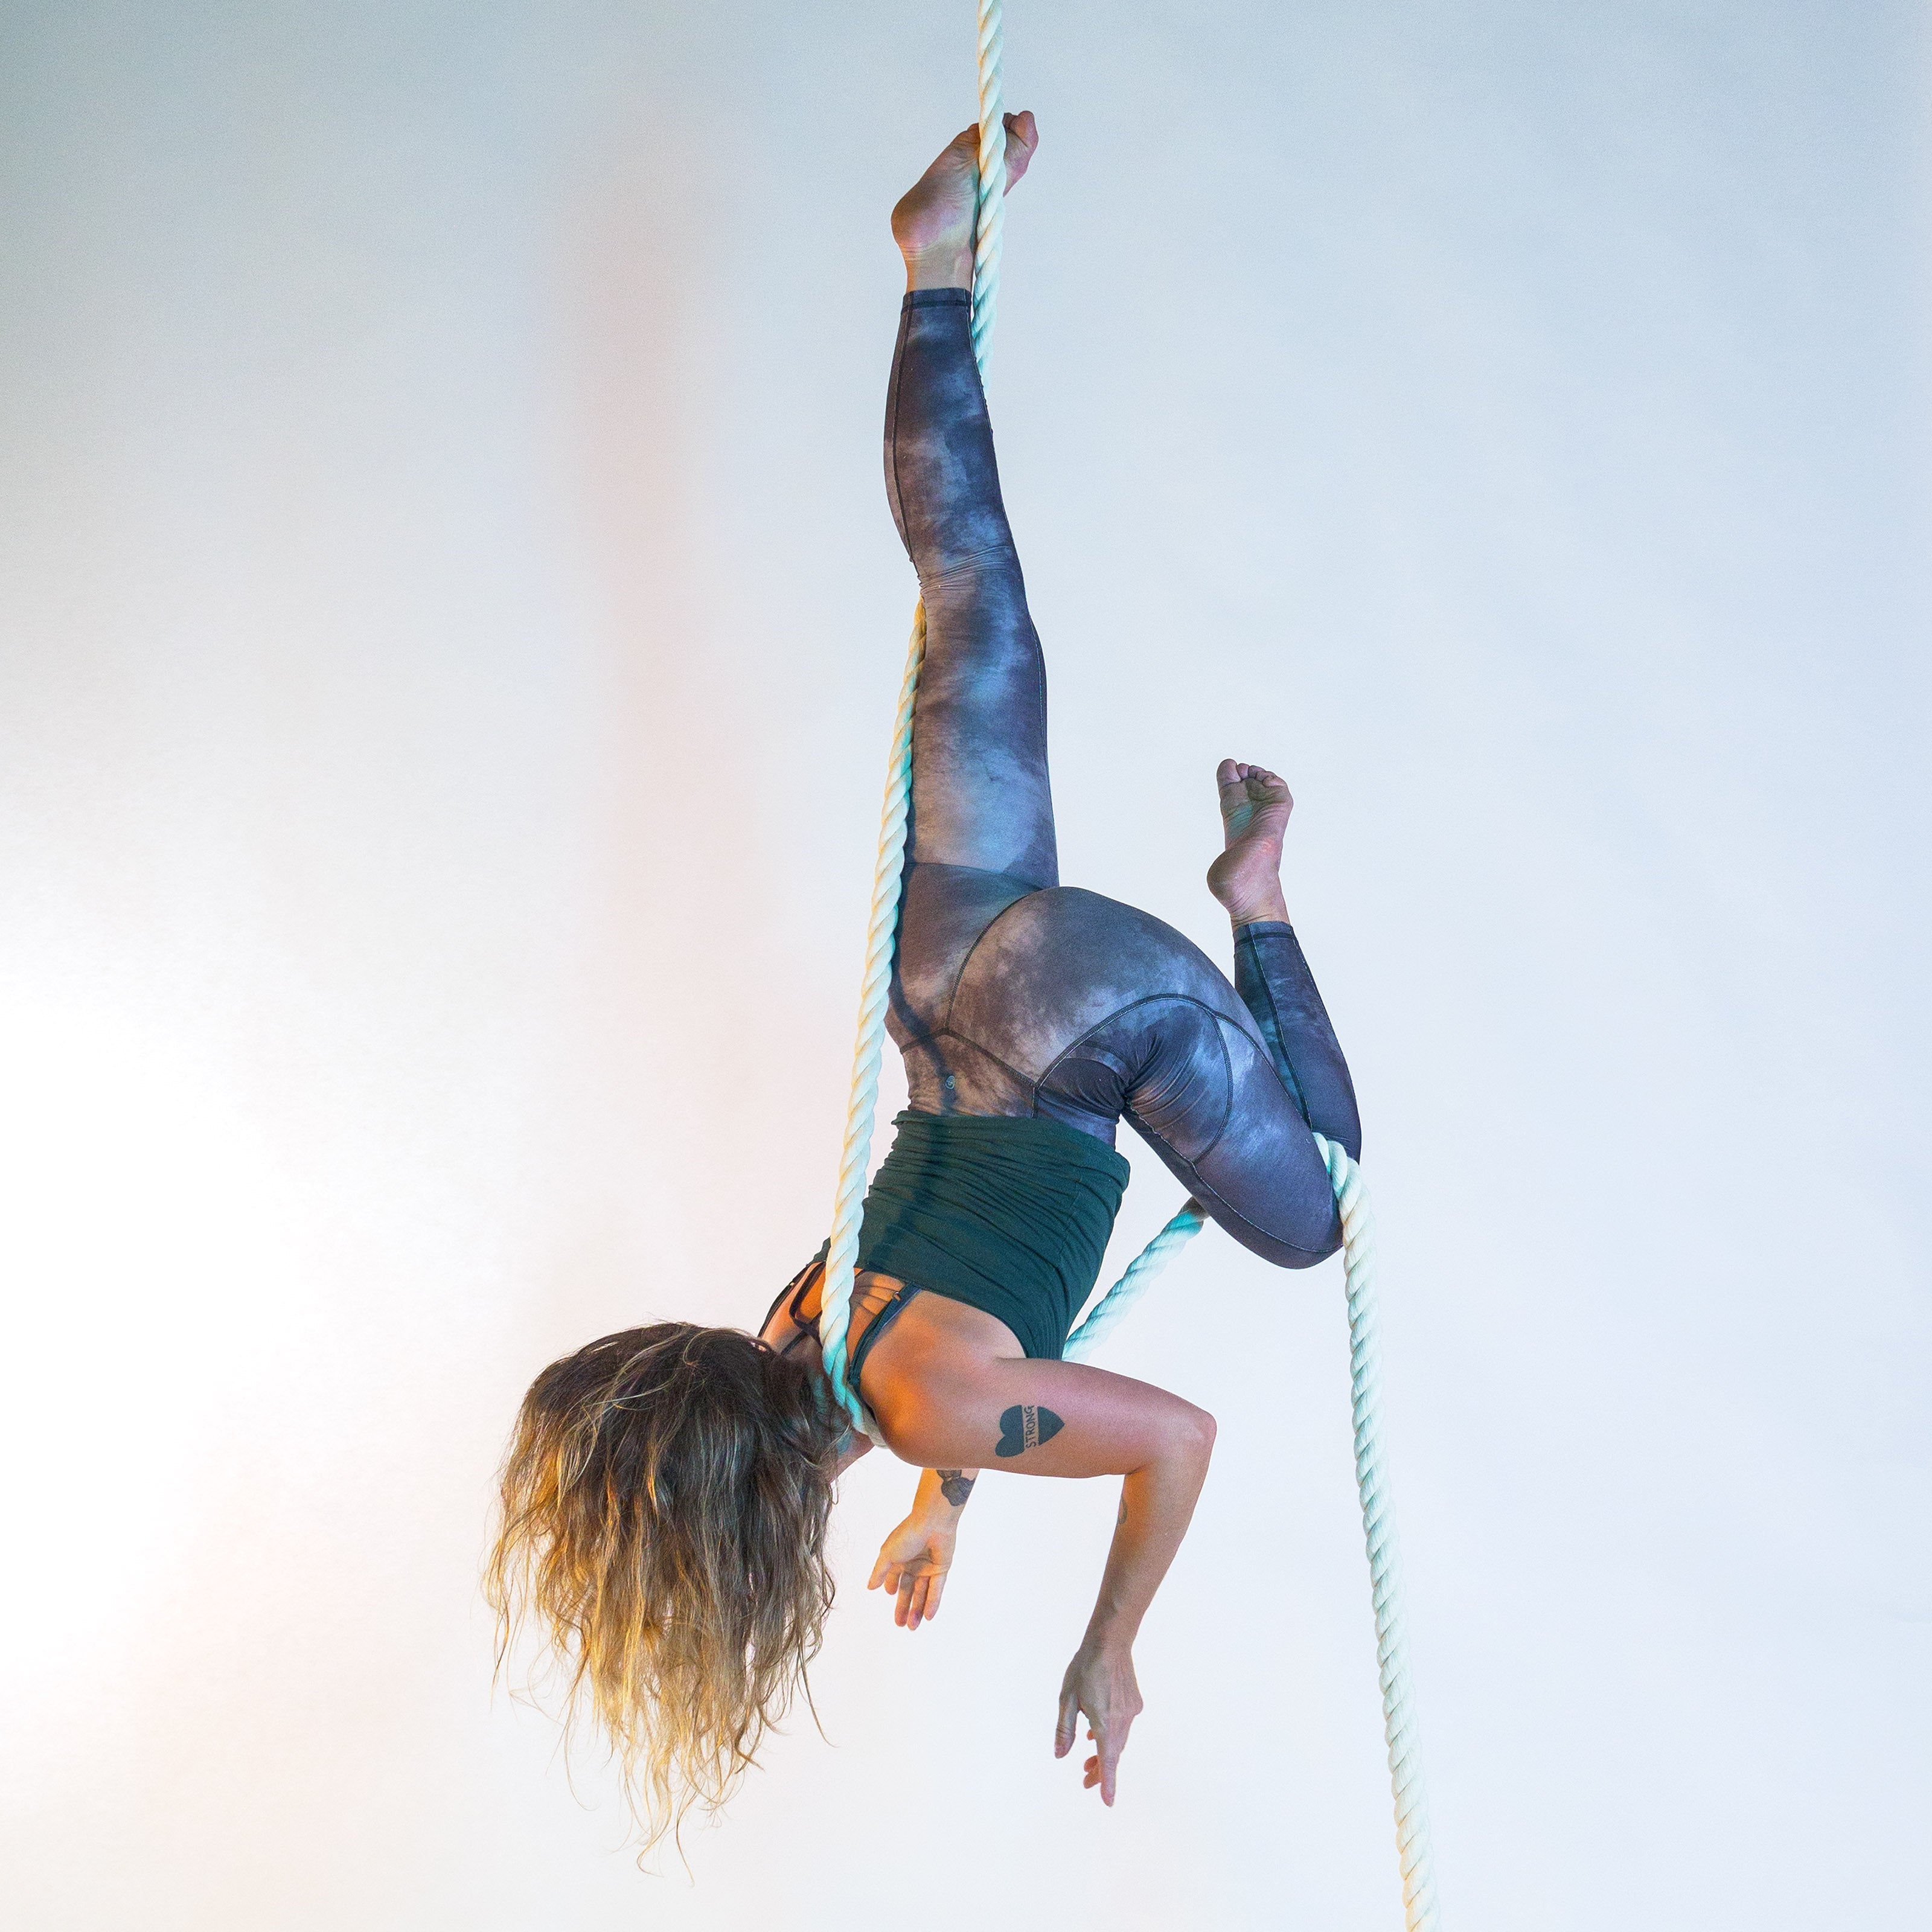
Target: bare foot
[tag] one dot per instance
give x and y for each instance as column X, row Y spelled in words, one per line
column 1246, row 877
column 933, row 223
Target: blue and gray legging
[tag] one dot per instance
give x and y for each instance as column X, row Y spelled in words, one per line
column 1013, row 994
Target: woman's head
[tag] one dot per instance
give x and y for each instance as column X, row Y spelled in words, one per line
column 664, row 1503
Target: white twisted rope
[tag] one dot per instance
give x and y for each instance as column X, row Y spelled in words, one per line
column 1365, row 1375
column 1136, row 1282
column 989, row 216
column 1358, row 1249
column 834, row 1314
column 1411, row 1814
column 841, row 1258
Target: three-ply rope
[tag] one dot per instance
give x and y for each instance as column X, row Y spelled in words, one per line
column 1412, row 1816
column 1365, row 1375
column 1365, row 1380
column 841, row 1256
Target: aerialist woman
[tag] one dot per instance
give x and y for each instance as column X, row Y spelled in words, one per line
column 667, row 1494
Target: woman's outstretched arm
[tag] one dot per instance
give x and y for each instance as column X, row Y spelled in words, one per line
column 947, row 1406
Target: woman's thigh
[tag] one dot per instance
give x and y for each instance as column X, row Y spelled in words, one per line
column 1063, row 1003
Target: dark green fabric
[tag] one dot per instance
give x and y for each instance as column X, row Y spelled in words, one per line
column 1008, row 1215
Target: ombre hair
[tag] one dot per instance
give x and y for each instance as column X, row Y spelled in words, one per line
column 665, row 1504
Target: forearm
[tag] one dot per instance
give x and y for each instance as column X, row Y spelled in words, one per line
column 1156, row 1504
column 942, row 1494
column 1045, row 1418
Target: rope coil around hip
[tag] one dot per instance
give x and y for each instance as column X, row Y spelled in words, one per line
column 1411, row 1816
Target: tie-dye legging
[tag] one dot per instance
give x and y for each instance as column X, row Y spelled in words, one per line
column 1014, row 994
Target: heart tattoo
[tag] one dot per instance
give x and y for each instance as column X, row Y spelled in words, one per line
column 1023, row 1427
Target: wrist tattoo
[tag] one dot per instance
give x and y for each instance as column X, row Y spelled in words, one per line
column 1123, row 1516
column 1025, row 1427
column 955, row 1486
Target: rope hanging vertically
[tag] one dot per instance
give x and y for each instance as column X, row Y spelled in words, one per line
column 1365, row 1380
column 1365, row 1375
column 1411, row 1817
column 841, row 1256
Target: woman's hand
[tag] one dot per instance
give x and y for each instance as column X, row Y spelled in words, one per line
column 914, row 1559
column 912, row 1562
column 1100, row 1682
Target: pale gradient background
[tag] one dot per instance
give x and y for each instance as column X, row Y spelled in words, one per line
column 450, row 620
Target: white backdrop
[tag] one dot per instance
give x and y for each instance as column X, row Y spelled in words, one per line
column 451, row 622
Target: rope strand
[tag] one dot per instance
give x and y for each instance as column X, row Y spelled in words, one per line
column 1411, row 1816
column 1365, row 1378
column 841, row 1258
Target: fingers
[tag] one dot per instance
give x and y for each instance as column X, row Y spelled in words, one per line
column 1069, row 1719
column 918, row 1598
column 1101, row 1771
column 1107, row 1762
column 1103, row 1768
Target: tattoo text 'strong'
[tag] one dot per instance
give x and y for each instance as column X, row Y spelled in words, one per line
column 955, row 1486
column 1025, row 1427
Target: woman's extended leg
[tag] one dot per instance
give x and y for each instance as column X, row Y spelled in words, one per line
column 981, row 835
column 1012, row 994
column 981, row 796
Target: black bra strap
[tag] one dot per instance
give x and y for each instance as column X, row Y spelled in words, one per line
column 902, row 1296
column 799, row 1286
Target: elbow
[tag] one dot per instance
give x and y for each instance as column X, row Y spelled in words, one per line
column 1195, row 1433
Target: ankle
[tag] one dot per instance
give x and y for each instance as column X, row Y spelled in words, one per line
column 939, row 268
column 1262, row 908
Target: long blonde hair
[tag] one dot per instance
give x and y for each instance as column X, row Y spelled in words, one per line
column 665, row 1504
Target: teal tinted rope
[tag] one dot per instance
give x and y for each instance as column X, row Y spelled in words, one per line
column 841, row 1258
column 1365, row 1379
column 1365, row 1375
column 1135, row 1283
column 1412, row 1815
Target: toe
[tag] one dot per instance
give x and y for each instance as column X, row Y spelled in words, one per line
column 1022, row 138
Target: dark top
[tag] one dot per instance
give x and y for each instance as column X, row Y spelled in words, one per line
column 1011, row 1215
